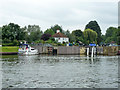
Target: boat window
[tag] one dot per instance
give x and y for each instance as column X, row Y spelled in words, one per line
column 32, row 49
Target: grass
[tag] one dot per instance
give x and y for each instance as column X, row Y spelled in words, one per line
column 9, row 49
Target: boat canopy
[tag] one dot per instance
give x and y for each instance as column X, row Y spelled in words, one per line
column 92, row 44
column 24, row 45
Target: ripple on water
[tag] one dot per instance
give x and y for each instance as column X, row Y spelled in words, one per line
column 71, row 71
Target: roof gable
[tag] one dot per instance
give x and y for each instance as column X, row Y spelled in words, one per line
column 59, row 34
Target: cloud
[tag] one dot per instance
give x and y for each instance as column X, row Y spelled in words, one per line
column 71, row 14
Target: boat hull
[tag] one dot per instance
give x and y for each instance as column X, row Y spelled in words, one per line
column 28, row 52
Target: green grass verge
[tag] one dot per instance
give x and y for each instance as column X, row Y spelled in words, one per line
column 9, row 48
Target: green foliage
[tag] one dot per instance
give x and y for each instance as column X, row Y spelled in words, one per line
column 109, row 39
column 95, row 27
column 69, row 35
column 6, row 41
column 15, row 43
column 49, row 31
column 59, row 44
column 110, row 31
column 12, row 31
column 0, row 32
column 32, row 28
column 103, row 38
column 33, row 33
column 112, row 34
column 90, row 36
column 77, row 35
column 7, row 44
column 56, row 27
column 48, row 41
column 41, row 41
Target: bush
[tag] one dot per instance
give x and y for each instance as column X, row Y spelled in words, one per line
column 59, row 44
column 6, row 41
column 45, row 37
column 7, row 44
column 49, row 41
column 51, row 38
column 15, row 43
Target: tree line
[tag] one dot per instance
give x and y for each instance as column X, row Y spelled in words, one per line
column 13, row 34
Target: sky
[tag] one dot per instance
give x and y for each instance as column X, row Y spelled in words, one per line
column 70, row 14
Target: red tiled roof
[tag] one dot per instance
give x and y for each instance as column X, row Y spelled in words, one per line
column 59, row 35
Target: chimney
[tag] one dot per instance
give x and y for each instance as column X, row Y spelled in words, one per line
column 58, row 31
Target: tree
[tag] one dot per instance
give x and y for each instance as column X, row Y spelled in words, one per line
column 118, row 36
column 33, row 33
column 0, row 35
column 45, row 37
column 110, row 31
column 69, row 35
column 111, row 34
column 90, row 36
column 103, row 38
column 56, row 27
column 95, row 27
column 11, row 32
column 78, row 35
column 33, row 28
column 49, row 31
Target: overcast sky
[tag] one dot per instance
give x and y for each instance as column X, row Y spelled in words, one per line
column 70, row 14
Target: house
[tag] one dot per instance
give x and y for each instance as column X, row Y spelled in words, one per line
column 60, row 37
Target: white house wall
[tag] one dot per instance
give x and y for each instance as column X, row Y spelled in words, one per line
column 61, row 40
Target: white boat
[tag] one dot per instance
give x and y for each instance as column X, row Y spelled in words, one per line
column 27, row 50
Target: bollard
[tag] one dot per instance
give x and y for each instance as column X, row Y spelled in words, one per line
column 92, row 53
column 87, row 51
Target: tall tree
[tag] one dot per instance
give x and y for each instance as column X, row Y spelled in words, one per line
column 33, row 28
column 118, row 36
column 12, row 31
column 0, row 35
column 111, row 34
column 45, row 37
column 33, row 33
column 95, row 27
column 56, row 27
column 110, row 31
column 49, row 31
column 69, row 35
column 90, row 36
column 78, row 35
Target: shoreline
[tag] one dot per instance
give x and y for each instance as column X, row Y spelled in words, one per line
column 8, row 53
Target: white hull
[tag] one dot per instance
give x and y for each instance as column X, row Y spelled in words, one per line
column 28, row 51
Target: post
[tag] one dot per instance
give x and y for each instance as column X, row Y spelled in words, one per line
column 88, row 51
column 92, row 53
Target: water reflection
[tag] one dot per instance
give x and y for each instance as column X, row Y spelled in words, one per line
column 61, row 71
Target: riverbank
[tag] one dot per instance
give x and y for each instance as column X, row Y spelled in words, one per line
column 9, row 50
column 65, row 50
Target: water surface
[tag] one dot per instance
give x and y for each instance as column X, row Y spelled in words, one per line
column 62, row 71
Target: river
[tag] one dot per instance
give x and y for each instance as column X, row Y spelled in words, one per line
column 60, row 71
